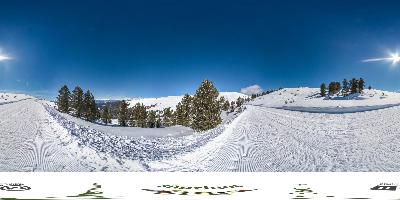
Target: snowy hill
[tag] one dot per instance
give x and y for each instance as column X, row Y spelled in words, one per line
column 11, row 97
column 309, row 99
column 171, row 101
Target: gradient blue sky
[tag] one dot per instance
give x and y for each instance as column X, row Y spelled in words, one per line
column 166, row 47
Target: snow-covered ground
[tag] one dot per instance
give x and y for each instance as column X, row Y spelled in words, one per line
column 171, row 101
column 309, row 100
column 268, row 135
column 10, row 97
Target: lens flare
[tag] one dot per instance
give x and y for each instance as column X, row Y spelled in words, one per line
column 393, row 57
column 4, row 57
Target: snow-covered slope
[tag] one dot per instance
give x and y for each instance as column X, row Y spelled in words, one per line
column 269, row 135
column 11, row 97
column 32, row 140
column 309, row 99
column 171, row 101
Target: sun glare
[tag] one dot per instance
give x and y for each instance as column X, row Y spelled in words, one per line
column 4, row 57
column 394, row 58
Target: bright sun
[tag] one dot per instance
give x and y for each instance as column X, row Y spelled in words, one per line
column 4, row 57
column 393, row 57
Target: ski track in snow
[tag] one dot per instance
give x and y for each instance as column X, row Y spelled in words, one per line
column 32, row 141
column 268, row 139
column 35, row 137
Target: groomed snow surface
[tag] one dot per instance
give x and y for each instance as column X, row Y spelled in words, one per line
column 293, row 129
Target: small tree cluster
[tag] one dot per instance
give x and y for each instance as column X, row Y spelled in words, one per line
column 347, row 87
column 333, row 88
column 78, row 104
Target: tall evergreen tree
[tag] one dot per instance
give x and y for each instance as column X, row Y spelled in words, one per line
column 77, row 101
column 225, row 105
column 183, row 110
column 63, row 99
column 323, row 90
column 239, row 102
column 232, row 106
column 158, row 120
column 361, row 85
column 90, row 111
column 353, row 86
column 123, row 114
column 138, row 116
column 168, row 117
column 206, row 109
column 151, row 119
column 345, row 87
column 106, row 114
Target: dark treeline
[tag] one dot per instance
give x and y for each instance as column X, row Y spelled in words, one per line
column 200, row 112
column 345, row 88
column 78, row 103
column 253, row 96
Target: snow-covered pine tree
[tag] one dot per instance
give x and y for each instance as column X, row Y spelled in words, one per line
column 123, row 114
column 158, row 120
column 345, row 87
column 206, row 110
column 322, row 90
column 225, row 106
column 63, row 99
column 105, row 114
column 239, row 102
column 183, row 110
column 232, row 106
column 77, row 101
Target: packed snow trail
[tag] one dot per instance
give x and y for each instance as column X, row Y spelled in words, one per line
column 32, row 141
column 268, row 139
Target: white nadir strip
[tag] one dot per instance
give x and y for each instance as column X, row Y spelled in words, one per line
column 198, row 186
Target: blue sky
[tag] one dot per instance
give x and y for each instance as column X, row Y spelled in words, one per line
column 166, row 47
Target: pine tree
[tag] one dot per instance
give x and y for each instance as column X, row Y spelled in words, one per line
column 361, row 85
column 77, row 101
column 353, row 86
column 168, row 116
column 345, row 88
column 183, row 109
column 63, row 99
column 232, row 106
column 225, row 105
column 90, row 110
column 123, row 114
column 139, row 116
column 106, row 115
column 337, row 87
column 158, row 120
column 323, row 89
column 151, row 119
column 206, row 109
column 239, row 102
